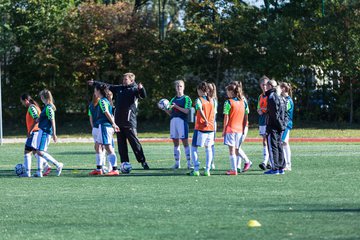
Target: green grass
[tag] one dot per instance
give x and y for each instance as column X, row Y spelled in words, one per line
column 319, row 199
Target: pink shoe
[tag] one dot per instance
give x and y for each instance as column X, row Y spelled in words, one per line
column 247, row 166
column 232, row 172
column 96, row 172
column 47, row 171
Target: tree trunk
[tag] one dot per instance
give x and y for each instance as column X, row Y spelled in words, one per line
column 351, row 101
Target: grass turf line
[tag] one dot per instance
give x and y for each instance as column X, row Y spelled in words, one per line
column 318, row 200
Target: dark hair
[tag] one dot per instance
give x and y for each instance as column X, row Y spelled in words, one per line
column 104, row 90
column 236, row 88
column 203, row 86
column 26, row 96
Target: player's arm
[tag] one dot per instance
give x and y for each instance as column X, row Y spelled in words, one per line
column 105, row 109
column 198, row 107
column 50, row 113
column 91, row 119
column 227, row 108
column 258, row 109
column 186, row 108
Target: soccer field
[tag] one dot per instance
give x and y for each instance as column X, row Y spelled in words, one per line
column 319, row 199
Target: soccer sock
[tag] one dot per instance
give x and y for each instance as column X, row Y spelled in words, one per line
column 266, row 155
column 209, row 158
column 103, row 158
column 238, row 161
column 113, row 159
column 194, row 156
column 39, row 164
column 287, row 155
column 232, row 162
column 213, row 154
column 187, row 153
column 49, row 158
column 243, row 155
column 27, row 163
column 43, row 162
column 177, row 154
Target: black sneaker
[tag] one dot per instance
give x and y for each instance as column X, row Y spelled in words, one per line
column 145, row 165
column 268, row 166
column 262, row 166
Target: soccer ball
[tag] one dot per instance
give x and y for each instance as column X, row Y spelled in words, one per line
column 19, row 169
column 163, row 104
column 125, row 167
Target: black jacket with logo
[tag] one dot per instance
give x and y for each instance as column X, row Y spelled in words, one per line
column 126, row 103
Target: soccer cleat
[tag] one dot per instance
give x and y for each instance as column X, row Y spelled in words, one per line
column 247, row 166
column 38, row 174
column 238, row 170
column 207, row 173
column 145, row 165
column 272, row 172
column 281, row 171
column 47, row 170
column 262, row 166
column 59, row 169
column 113, row 173
column 194, row 173
column 96, row 172
column 232, row 172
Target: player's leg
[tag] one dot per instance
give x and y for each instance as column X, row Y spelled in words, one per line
column 209, row 142
column 194, row 154
column 229, row 140
column 286, row 148
column 265, row 162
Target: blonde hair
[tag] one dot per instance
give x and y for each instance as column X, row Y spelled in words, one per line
column 287, row 87
column 131, row 75
column 212, row 90
column 48, row 96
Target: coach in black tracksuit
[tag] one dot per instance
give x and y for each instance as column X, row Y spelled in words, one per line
column 275, row 125
column 126, row 102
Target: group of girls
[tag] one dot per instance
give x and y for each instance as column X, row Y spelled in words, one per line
column 103, row 129
column 235, row 126
column 236, row 112
column 41, row 126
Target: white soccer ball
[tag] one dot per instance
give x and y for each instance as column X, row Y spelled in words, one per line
column 125, row 167
column 163, row 104
column 19, row 169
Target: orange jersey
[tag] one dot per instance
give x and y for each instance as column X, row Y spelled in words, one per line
column 208, row 110
column 235, row 109
column 32, row 114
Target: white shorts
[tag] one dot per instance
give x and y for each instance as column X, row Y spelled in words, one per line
column 43, row 141
column 233, row 139
column 201, row 139
column 31, row 142
column 95, row 132
column 179, row 128
column 105, row 135
column 262, row 130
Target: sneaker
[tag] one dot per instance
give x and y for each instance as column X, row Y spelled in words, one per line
column 59, row 169
column 288, row 168
column 232, row 172
column 145, row 165
column 113, row 173
column 47, row 170
column 194, row 173
column 96, row 172
column 272, row 172
column 262, row 166
column 213, row 166
column 175, row 166
column 281, row 171
column 207, row 173
column 247, row 166
column 268, row 166
column 38, row 174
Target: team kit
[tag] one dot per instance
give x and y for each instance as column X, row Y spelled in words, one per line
column 275, row 109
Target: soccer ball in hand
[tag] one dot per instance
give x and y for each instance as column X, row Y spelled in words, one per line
column 125, row 167
column 163, row 104
column 19, row 169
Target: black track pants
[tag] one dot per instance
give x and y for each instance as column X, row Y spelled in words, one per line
column 275, row 147
column 129, row 134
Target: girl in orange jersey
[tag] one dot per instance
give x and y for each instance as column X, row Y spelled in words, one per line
column 204, row 129
column 235, row 121
column 32, row 115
